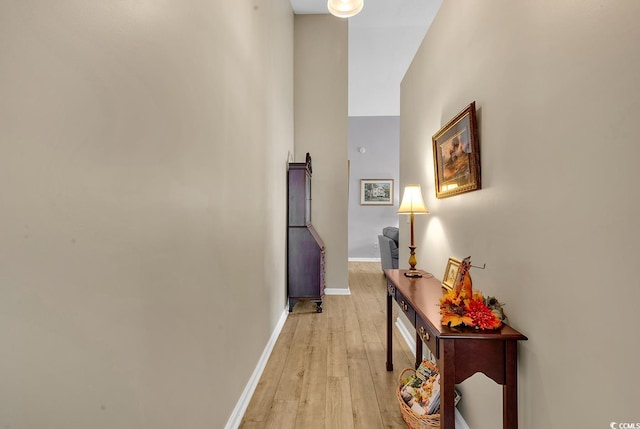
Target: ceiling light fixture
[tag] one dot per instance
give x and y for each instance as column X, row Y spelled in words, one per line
column 345, row 8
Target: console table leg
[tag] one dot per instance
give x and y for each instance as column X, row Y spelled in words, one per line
column 447, row 386
column 389, row 334
column 510, row 388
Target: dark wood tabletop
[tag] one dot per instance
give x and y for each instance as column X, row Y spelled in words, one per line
column 425, row 293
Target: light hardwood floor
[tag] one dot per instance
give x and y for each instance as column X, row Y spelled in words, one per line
column 327, row 370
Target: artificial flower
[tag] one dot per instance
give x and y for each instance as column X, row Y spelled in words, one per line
column 461, row 306
column 481, row 316
column 457, row 310
column 453, row 319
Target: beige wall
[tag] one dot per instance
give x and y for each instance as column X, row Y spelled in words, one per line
column 321, row 128
column 556, row 86
column 143, row 150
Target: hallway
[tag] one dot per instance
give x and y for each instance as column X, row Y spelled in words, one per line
column 327, row 370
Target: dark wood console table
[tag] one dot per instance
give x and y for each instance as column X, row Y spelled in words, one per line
column 459, row 353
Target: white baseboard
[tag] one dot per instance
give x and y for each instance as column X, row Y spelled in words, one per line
column 408, row 337
column 336, row 291
column 242, row 404
column 364, row 259
column 460, row 423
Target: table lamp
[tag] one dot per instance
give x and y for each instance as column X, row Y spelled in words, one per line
column 412, row 203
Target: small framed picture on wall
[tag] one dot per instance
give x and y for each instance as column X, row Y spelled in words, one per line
column 376, row 192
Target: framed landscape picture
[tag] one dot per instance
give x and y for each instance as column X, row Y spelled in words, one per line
column 376, row 192
column 456, row 155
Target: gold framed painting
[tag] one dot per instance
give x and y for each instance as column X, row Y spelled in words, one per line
column 456, row 155
column 451, row 273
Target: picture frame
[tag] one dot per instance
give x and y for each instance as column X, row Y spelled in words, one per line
column 456, row 155
column 376, row 192
column 451, row 273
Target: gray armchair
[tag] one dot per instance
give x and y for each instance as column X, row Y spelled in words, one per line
column 388, row 243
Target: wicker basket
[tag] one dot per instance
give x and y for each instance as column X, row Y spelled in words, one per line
column 414, row 421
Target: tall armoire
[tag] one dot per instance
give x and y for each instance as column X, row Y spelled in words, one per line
column 305, row 249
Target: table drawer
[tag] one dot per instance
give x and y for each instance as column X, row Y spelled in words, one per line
column 391, row 289
column 428, row 335
column 406, row 308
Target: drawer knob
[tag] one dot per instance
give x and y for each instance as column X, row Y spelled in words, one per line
column 404, row 306
column 424, row 334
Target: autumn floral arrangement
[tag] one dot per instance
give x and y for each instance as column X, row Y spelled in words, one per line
column 461, row 306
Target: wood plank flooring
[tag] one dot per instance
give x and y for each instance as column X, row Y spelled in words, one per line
column 327, row 370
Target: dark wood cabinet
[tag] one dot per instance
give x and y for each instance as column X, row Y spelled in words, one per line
column 305, row 248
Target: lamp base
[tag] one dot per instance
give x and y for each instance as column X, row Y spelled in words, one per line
column 412, row 274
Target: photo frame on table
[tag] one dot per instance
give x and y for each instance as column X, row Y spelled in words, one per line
column 451, row 273
column 456, row 155
column 376, row 192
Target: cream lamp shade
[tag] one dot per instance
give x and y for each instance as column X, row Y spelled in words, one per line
column 345, row 8
column 412, row 201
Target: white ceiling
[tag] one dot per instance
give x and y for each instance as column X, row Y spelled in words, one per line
column 383, row 39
